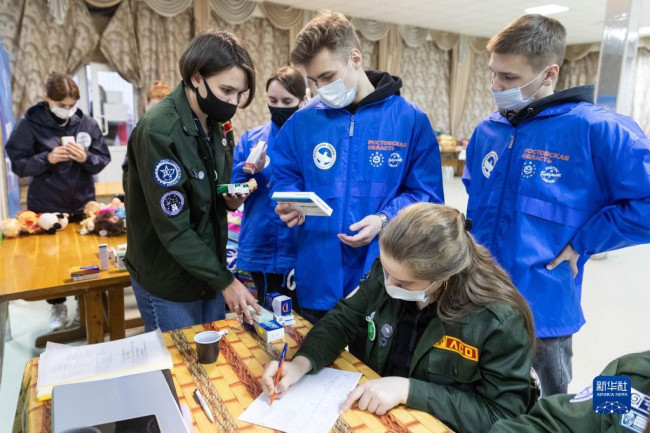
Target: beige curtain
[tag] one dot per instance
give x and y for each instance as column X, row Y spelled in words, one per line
column 413, row 36
column 445, row 40
column 284, row 17
column 268, row 47
column 425, row 78
column 10, row 13
column 137, row 44
column 389, row 55
column 369, row 52
column 579, row 72
column 479, row 102
column 103, row 3
column 41, row 46
column 169, row 8
column 370, row 29
column 233, row 11
column 462, row 65
column 640, row 105
column 580, row 51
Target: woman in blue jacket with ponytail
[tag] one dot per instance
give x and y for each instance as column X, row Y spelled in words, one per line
column 267, row 249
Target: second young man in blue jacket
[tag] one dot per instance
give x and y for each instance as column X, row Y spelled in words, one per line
column 552, row 179
column 362, row 148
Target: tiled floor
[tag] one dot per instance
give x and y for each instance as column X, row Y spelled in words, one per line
column 616, row 301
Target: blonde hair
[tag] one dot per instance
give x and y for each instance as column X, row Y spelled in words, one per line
column 432, row 242
column 158, row 90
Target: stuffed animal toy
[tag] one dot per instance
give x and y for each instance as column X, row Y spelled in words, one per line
column 49, row 223
column 28, row 222
column 118, row 203
column 90, row 211
column 11, row 228
column 109, row 224
column 63, row 220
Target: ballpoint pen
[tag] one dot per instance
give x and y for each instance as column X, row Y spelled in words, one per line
column 279, row 373
column 204, row 405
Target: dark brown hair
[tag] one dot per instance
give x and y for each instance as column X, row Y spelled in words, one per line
column 540, row 39
column 291, row 79
column 60, row 86
column 330, row 30
column 214, row 51
column 158, row 90
column 431, row 241
column 103, row 223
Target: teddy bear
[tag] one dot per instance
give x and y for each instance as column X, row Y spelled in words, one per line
column 51, row 222
column 91, row 210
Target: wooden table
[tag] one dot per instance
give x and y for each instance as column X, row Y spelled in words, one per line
column 232, row 383
column 37, row 267
column 449, row 157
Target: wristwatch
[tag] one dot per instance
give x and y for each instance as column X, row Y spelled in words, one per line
column 384, row 220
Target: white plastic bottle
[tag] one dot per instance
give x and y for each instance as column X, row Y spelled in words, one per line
column 103, row 257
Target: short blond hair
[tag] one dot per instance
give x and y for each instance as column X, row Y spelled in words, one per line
column 328, row 30
column 541, row 40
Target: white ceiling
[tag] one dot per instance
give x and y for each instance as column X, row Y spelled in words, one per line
column 584, row 20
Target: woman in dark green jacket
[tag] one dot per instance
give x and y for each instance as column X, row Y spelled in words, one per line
column 438, row 319
column 177, row 155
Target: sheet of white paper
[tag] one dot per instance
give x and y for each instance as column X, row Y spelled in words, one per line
column 137, row 354
column 311, row 405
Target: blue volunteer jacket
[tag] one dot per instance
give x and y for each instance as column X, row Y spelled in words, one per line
column 568, row 172
column 263, row 245
column 382, row 158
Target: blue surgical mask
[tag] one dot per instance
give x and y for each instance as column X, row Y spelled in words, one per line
column 512, row 99
column 335, row 94
column 396, row 292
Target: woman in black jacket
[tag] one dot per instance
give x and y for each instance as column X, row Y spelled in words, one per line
column 61, row 149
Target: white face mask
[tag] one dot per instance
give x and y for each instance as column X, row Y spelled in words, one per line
column 512, row 99
column 62, row 113
column 396, row 292
column 335, row 94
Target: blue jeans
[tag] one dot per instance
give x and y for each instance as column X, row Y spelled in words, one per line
column 552, row 364
column 165, row 315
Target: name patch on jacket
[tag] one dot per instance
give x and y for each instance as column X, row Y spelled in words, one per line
column 455, row 345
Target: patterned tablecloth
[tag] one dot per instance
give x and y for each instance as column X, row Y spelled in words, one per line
column 232, row 383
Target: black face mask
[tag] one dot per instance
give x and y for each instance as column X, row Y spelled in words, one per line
column 215, row 108
column 279, row 115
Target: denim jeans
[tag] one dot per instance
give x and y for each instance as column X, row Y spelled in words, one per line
column 552, row 364
column 165, row 315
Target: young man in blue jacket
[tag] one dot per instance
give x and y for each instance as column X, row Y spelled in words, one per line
column 359, row 146
column 552, row 179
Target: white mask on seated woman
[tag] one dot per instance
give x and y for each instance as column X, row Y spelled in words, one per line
column 396, row 292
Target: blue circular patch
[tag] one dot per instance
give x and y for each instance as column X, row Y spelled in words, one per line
column 167, row 172
column 172, row 203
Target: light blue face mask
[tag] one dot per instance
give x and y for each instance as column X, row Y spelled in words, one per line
column 512, row 99
column 335, row 94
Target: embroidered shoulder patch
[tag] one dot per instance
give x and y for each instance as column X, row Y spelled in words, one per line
column 167, row 172
column 172, row 203
column 455, row 345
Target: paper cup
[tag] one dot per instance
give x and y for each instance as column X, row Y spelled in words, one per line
column 207, row 346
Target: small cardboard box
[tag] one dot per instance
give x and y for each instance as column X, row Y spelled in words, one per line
column 79, row 273
column 281, row 305
column 269, row 331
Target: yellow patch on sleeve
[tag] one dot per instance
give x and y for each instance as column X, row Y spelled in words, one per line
column 455, row 345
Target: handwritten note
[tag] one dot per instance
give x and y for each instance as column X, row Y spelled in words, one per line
column 310, row 406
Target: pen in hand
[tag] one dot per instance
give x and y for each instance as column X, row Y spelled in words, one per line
column 278, row 375
column 204, row 405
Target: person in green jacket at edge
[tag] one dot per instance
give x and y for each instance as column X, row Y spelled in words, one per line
column 438, row 319
column 177, row 154
column 574, row 413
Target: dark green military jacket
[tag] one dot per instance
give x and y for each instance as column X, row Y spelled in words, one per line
column 177, row 223
column 468, row 373
column 574, row 413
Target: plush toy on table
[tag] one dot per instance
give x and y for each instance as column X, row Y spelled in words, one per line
column 104, row 220
column 50, row 223
column 28, row 221
column 11, row 228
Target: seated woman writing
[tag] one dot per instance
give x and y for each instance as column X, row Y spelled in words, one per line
column 438, row 319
